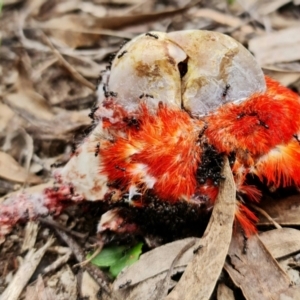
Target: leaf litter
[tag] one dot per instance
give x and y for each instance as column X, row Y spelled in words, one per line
column 46, row 89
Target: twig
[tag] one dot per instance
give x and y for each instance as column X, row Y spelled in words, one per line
column 85, row 262
column 162, row 289
column 266, row 215
column 60, row 261
column 55, row 225
column 25, row 271
column 69, row 67
column 94, row 271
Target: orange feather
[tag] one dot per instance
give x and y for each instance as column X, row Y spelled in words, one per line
column 162, row 154
column 161, row 151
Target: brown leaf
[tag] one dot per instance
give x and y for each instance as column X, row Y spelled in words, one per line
column 269, row 6
column 89, row 287
column 63, row 284
column 285, row 211
column 115, row 22
column 38, row 291
column 25, row 271
column 281, row 242
column 255, row 272
column 280, row 46
column 34, row 189
column 286, row 77
column 280, row 21
column 30, row 104
column 6, row 115
column 75, row 74
column 219, row 17
column 154, row 262
column 43, row 121
column 145, row 289
column 30, row 234
column 11, row 170
column 224, row 292
column 25, row 100
column 202, row 273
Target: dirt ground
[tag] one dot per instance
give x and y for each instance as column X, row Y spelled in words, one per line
column 52, row 54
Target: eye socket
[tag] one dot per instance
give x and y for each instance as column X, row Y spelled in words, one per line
column 183, row 67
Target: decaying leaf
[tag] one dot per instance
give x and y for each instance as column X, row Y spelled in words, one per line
column 88, row 286
column 63, row 284
column 281, row 46
column 34, row 189
column 11, row 170
column 31, row 231
column 6, row 114
column 38, row 291
column 202, row 273
column 120, row 21
column 155, row 262
column 267, row 7
column 159, row 260
column 254, row 270
column 25, row 271
column 224, row 292
column 285, row 211
column 281, row 242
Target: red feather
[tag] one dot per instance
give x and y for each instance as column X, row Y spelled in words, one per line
column 162, row 154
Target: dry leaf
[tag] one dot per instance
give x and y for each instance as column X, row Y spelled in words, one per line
column 95, row 10
column 63, row 284
column 34, row 189
column 38, row 291
column 280, row 21
column 255, row 272
column 118, row 1
column 216, row 16
column 89, row 287
column 11, row 170
column 30, row 234
column 86, row 66
column 6, row 115
column 202, row 273
column 67, row 66
column 285, row 211
column 268, row 6
column 155, row 262
column 280, row 46
column 281, row 242
column 284, row 78
column 69, row 30
column 224, row 292
column 145, row 289
column 10, row 2
column 293, row 293
column 25, row 271
column 29, row 104
column 115, row 22
column 288, row 67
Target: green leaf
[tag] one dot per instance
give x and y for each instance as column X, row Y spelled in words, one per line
column 131, row 256
column 108, row 256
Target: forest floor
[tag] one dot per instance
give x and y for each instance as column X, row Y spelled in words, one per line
column 51, row 57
